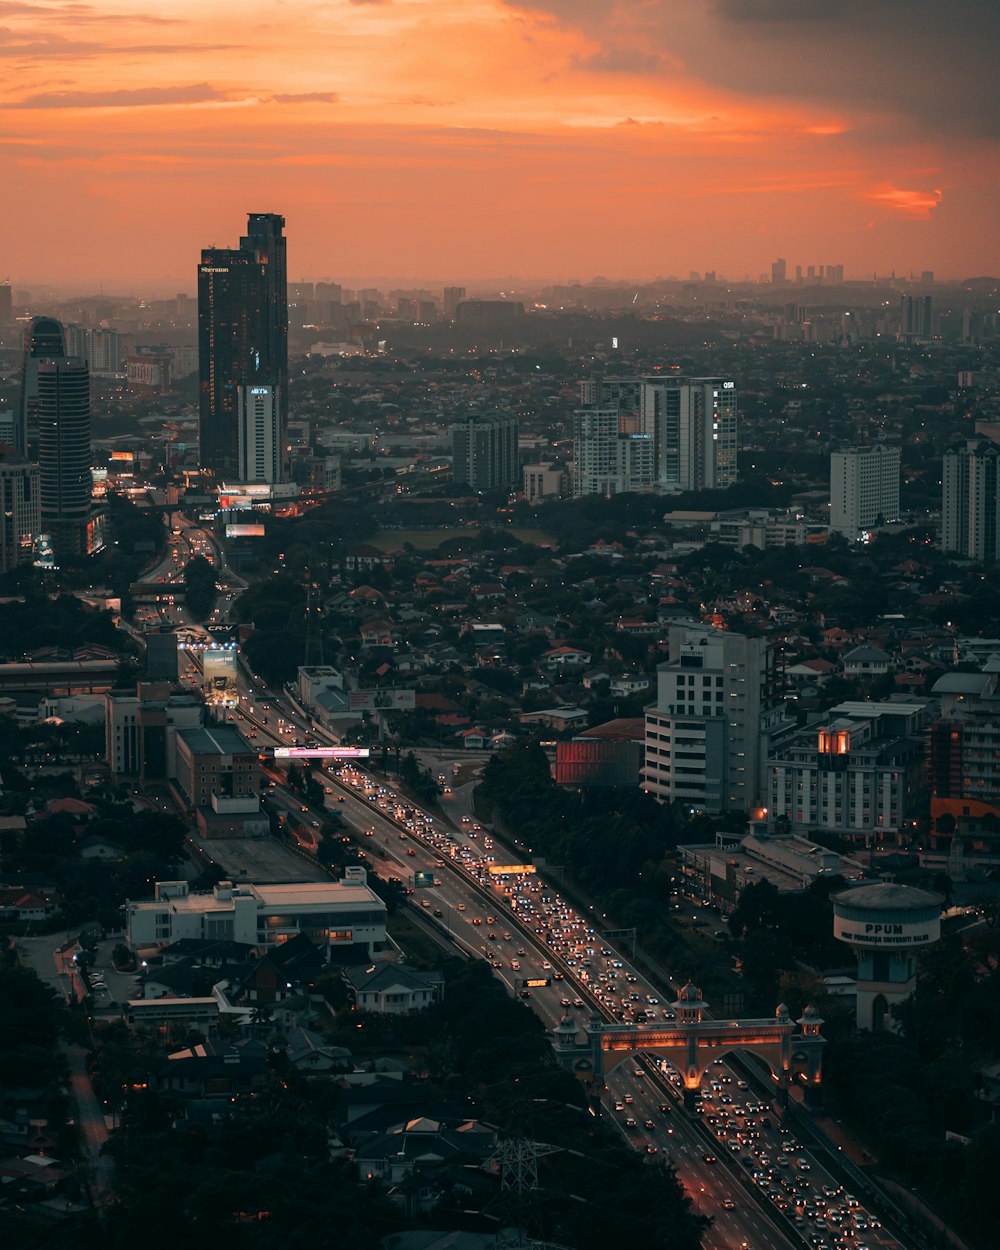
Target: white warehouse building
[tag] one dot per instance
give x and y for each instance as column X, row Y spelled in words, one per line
column 330, row 913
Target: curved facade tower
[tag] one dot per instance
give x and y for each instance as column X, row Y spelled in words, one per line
column 44, row 339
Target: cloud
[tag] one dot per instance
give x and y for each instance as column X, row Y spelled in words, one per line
column 899, row 67
column 623, row 60
column 914, row 204
column 76, row 13
column 305, row 97
column 139, row 97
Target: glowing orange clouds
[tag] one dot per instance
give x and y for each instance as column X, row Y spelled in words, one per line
column 450, row 138
column 916, row 204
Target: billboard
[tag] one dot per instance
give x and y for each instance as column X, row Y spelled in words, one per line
column 381, row 700
column 320, row 753
column 219, row 675
column 244, row 531
column 503, row 870
column 423, row 880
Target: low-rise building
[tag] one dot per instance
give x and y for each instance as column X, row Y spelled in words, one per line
column 392, row 988
column 330, row 913
column 216, row 760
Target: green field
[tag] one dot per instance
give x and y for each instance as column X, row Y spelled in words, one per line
column 427, row 540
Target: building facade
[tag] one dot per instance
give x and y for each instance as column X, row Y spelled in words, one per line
column 708, row 732
column 242, row 336
column 260, row 450
column 141, row 729
column 330, row 913
column 859, row 772
column 20, row 509
column 605, row 460
column 693, row 424
column 215, row 760
column 44, row 339
column 484, row 451
column 65, row 480
column 970, row 505
column 864, row 490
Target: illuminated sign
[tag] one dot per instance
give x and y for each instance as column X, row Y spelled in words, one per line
column 422, row 880
column 219, row 669
column 503, row 870
column 729, row 386
column 245, row 531
column 381, row 700
column 213, row 268
column 320, row 753
column 537, row 982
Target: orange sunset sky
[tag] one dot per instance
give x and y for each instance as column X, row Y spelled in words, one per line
column 464, row 139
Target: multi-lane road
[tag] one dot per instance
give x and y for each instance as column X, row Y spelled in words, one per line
column 740, row 1165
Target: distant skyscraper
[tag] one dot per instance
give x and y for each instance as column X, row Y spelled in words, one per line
column 970, row 506
column 43, row 339
column 453, row 296
column 6, row 304
column 242, row 336
column 864, row 489
column 64, row 456
column 692, row 422
column 916, row 316
column 20, row 509
column 484, row 450
column 779, row 272
column 259, row 440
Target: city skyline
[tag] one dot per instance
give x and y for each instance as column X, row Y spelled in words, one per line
column 529, row 137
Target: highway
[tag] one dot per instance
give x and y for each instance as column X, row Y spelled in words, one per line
column 740, row 1165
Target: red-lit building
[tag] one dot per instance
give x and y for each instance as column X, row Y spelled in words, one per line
column 607, row 755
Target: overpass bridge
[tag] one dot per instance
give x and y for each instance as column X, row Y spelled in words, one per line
column 793, row 1050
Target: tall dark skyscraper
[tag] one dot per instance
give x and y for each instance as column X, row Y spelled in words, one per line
column 64, row 457
column 242, row 336
column 44, row 339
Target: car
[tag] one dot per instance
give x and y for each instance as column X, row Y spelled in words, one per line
column 664, row 1108
column 710, row 1158
column 648, row 1124
column 728, row 1204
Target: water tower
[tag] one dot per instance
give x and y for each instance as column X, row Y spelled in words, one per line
column 885, row 925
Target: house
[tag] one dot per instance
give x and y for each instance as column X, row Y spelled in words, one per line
column 391, row 989
column 94, row 846
column 866, row 661
column 557, row 718
column 474, row 739
column 423, row 1143
column 628, row 686
column 563, row 657
column 213, row 1069
column 308, row 1052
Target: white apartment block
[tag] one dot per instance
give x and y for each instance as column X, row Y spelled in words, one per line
column 864, row 490
column 605, row 460
column 692, row 423
column 706, row 732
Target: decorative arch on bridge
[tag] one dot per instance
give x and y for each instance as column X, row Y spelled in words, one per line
column 691, row 1043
